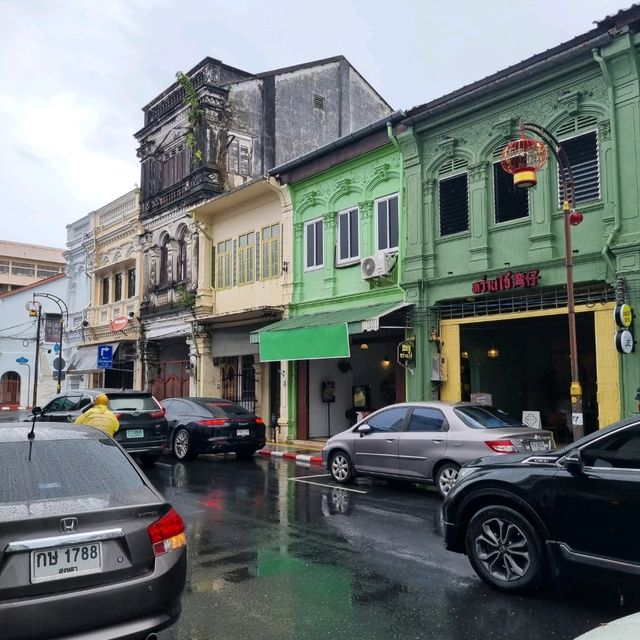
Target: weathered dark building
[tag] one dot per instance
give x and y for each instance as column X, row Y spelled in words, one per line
column 210, row 134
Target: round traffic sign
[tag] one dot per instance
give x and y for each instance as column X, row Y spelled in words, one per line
column 58, row 364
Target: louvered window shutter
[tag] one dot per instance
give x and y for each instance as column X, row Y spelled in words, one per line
column 454, row 205
column 234, row 259
column 258, row 247
column 582, row 152
column 213, row 266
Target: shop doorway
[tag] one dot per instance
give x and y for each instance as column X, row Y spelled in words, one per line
column 524, row 365
column 10, row 388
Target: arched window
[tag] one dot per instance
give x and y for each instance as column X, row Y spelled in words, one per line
column 182, row 257
column 164, row 276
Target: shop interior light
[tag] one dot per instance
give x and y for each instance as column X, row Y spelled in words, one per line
column 464, row 355
column 386, row 362
column 364, row 346
column 492, row 352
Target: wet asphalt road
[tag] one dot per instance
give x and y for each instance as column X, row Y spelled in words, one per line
column 278, row 552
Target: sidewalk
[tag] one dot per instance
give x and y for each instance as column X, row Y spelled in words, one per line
column 305, row 451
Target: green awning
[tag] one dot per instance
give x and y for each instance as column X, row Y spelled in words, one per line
column 318, row 335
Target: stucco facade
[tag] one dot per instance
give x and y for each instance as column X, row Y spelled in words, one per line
column 356, row 192
column 506, row 335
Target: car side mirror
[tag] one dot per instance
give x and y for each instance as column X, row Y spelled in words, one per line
column 573, row 462
column 36, row 411
column 363, row 430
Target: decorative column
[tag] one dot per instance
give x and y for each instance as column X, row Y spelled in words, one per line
column 202, row 374
column 298, row 262
column 329, row 222
column 478, row 216
column 367, row 239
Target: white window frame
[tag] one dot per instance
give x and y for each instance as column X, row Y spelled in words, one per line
column 375, row 213
column 349, row 259
column 314, row 267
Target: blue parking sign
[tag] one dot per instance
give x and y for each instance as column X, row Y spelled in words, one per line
column 105, row 356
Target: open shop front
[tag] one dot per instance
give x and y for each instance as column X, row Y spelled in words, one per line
column 345, row 364
column 520, row 362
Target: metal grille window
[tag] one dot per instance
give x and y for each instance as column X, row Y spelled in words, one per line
column 239, row 155
column 510, row 202
column 4, row 266
column 47, row 271
column 224, row 268
column 348, row 236
column 318, row 102
column 314, row 239
column 117, row 287
column 246, row 258
column 23, row 269
column 52, row 327
column 181, row 262
column 105, row 290
column 270, row 251
column 131, row 283
column 387, row 223
column 582, row 152
column 454, row 204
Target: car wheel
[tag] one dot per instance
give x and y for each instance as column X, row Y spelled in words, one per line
column 446, row 476
column 504, row 550
column 245, row 454
column 182, row 447
column 341, row 467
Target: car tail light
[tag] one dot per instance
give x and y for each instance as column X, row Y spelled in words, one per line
column 501, row 446
column 118, row 415
column 259, row 421
column 167, row 533
column 158, row 414
column 214, row 422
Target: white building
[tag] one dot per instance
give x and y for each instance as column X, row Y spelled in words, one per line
column 18, row 342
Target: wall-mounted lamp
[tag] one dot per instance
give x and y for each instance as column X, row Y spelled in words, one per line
column 464, row 355
column 285, row 267
column 364, row 346
column 386, row 362
column 492, row 352
column 433, row 335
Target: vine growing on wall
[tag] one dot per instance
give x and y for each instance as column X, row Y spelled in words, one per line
column 194, row 112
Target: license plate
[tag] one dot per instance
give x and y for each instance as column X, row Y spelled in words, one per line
column 135, row 433
column 243, row 433
column 66, row 562
column 539, row 446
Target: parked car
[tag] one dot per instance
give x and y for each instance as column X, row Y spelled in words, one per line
column 88, row 547
column 212, row 425
column 522, row 519
column 143, row 426
column 427, row 442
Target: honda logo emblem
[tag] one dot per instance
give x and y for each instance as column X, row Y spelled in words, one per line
column 68, row 525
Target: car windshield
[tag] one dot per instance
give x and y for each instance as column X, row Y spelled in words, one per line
column 132, row 403
column 482, row 417
column 53, row 469
column 227, row 410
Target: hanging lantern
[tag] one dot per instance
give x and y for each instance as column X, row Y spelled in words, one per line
column 522, row 158
column 575, row 218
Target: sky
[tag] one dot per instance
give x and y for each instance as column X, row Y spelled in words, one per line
column 76, row 74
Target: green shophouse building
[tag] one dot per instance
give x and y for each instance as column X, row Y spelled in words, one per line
column 484, row 262
column 338, row 346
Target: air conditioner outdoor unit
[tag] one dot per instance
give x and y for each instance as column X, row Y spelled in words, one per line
column 377, row 265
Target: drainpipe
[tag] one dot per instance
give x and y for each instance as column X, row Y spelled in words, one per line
column 394, row 142
column 606, row 251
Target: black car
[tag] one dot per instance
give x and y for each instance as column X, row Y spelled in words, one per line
column 212, row 425
column 88, row 547
column 143, row 426
column 521, row 519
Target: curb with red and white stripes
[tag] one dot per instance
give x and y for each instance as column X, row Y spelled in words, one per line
column 13, row 407
column 291, row 455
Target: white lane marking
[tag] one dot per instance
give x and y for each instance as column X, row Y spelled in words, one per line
column 164, row 464
column 322, row 475
column 328, row 486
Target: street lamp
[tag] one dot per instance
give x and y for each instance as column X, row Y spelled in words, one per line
column 522, row 158
column 61, row 303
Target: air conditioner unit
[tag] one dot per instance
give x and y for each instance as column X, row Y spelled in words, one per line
column 377, row 265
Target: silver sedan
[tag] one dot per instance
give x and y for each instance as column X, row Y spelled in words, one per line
column 428, row 442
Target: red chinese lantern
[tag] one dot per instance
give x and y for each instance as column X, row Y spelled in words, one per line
column 522, row 158
column 575, row 218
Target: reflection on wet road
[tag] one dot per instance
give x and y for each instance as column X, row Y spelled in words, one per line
column 278, row 552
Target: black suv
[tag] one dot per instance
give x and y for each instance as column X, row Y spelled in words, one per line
column 143, row 426
column 523, row 518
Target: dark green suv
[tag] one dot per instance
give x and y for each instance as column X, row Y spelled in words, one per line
column 143, row 426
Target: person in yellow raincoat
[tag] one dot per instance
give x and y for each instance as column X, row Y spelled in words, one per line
column 100, row 416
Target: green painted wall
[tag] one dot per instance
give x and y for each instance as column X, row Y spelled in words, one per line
column 599, row 89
